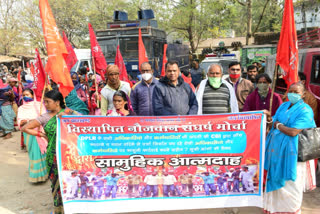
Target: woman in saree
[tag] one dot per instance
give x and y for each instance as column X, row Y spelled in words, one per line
column 36, row 146
column 285, row 175
column 54, row 103
column 7, row 114
column 121, row 105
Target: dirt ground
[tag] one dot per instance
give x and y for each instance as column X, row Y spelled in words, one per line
column 18, row 196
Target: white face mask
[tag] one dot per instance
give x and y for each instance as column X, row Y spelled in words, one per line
column 146, row 76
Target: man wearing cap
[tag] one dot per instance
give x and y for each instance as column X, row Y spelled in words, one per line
column 141, row 93
column 112, row 187
column 241, row 86
column 113, row 84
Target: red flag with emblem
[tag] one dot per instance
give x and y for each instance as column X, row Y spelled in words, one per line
column 164, row 60
column 71, row 59
column 123, row 75
column 39, row 76
column 100, row 63
column 142, row 51
column 287, row 50
column 56, row 66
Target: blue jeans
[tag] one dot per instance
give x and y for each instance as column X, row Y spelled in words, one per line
column 98, row 191
column 208, row 187
column 83, row 190
column 236, row 185
column 167, row 188
column 153, row 189
column 112, row 188
column 221, row 188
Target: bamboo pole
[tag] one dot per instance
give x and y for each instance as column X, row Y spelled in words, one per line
column 43, row 91
column 275, row 76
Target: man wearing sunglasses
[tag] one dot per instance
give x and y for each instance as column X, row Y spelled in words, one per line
column 242, row 87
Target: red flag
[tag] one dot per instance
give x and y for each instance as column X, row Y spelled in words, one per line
column 287, row 50
column 57, row 53
column 72, row 59
column 122, row 68
column 164, row 60
column 100, row 63
column 32, row 69
column 19, row 75
column 39, row 76
column 142, row 51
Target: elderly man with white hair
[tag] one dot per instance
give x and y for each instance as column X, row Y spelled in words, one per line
column 215, row 95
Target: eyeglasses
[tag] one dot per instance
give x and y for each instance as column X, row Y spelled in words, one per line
column 235, row 69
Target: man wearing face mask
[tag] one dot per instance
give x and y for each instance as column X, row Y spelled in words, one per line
column 242, row 87
column 260, row 98
column 141, row 93
column 215, row 95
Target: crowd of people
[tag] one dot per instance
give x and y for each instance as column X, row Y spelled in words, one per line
column 191, row 92
column 147, row 184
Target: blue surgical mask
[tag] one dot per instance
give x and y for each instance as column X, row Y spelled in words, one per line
column 294, row 98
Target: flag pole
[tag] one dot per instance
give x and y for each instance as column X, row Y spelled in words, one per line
column 43, row 91
column 275, row 76
column 95, row 77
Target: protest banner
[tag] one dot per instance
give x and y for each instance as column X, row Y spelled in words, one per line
column 131, row 164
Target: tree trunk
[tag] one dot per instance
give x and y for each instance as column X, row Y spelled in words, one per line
column 190, row 30
column 249, row 21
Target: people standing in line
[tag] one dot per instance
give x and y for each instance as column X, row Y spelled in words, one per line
column 36, row 146
column 252, row 72
column 113, row 84
column 260, row 98
column 216, row 95
column 197, row 73
column 285, row 175
column 54, row 103
column 172, row 96
column 242, row 87
column 141, row 93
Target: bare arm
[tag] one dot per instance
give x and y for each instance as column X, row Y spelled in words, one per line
column 286, row 130
column 29, row 128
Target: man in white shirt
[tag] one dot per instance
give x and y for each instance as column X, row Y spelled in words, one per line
column 152, row 182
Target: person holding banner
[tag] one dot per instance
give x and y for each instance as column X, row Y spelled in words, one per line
column 286, row 176
column 114, row 84
column 36, row 146
column 54, row 103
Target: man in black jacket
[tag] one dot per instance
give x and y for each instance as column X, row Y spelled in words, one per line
column 172, row 96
